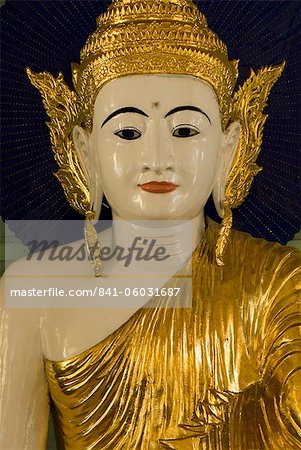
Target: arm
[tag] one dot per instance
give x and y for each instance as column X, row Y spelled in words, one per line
column 281, row 352
column 24, row 405
column 267, row 414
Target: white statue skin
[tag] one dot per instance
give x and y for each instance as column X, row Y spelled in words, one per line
column 198, row 164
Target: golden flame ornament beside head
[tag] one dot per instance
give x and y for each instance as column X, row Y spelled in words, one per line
column 136, row 37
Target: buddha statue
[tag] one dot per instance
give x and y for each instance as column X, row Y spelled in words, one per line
column 155, row 125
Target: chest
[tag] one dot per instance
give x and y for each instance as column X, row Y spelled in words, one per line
column 205, row 341
column 91, row 311
column 158, row 370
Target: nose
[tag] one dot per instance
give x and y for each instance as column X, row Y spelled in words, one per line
column 157, row 154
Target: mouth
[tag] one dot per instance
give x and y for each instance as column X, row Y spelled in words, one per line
column 158, row 187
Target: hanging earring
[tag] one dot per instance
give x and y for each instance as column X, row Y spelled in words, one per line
column 93, row 244
column 224, row 234
column 223, row 206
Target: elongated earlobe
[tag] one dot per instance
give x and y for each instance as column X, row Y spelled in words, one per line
column 90, row 168
column 227, row 155
column 81, row 144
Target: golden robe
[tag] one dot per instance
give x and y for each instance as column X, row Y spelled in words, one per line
column 222, row 374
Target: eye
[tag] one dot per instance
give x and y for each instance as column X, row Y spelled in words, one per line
column 128, row 134
column 185, row 131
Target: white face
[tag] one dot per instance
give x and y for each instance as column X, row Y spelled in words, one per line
column 155, row 145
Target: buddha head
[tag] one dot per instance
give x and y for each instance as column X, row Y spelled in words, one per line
column 154, row 122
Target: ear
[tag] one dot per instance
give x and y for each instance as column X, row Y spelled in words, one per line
column 228, row 151
column 82, row 144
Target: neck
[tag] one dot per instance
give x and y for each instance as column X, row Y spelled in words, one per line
column 178, row 238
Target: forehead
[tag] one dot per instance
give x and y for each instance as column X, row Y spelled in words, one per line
column 161, row 92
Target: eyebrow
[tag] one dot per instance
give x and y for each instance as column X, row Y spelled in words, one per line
column 128, row 109
column 187, row 108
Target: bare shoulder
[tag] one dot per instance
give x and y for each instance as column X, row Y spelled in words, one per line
column 49, row 258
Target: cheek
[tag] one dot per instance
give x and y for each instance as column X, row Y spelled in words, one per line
column 113, row 161
column 199, row 162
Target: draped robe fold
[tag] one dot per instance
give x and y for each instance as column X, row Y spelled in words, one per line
column 212, row 376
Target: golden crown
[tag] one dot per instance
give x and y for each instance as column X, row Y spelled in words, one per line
column 151, row 37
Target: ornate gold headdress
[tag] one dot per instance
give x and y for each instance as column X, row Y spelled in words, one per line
column 155, row 37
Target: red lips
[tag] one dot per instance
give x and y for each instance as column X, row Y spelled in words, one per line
column 158, row 187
